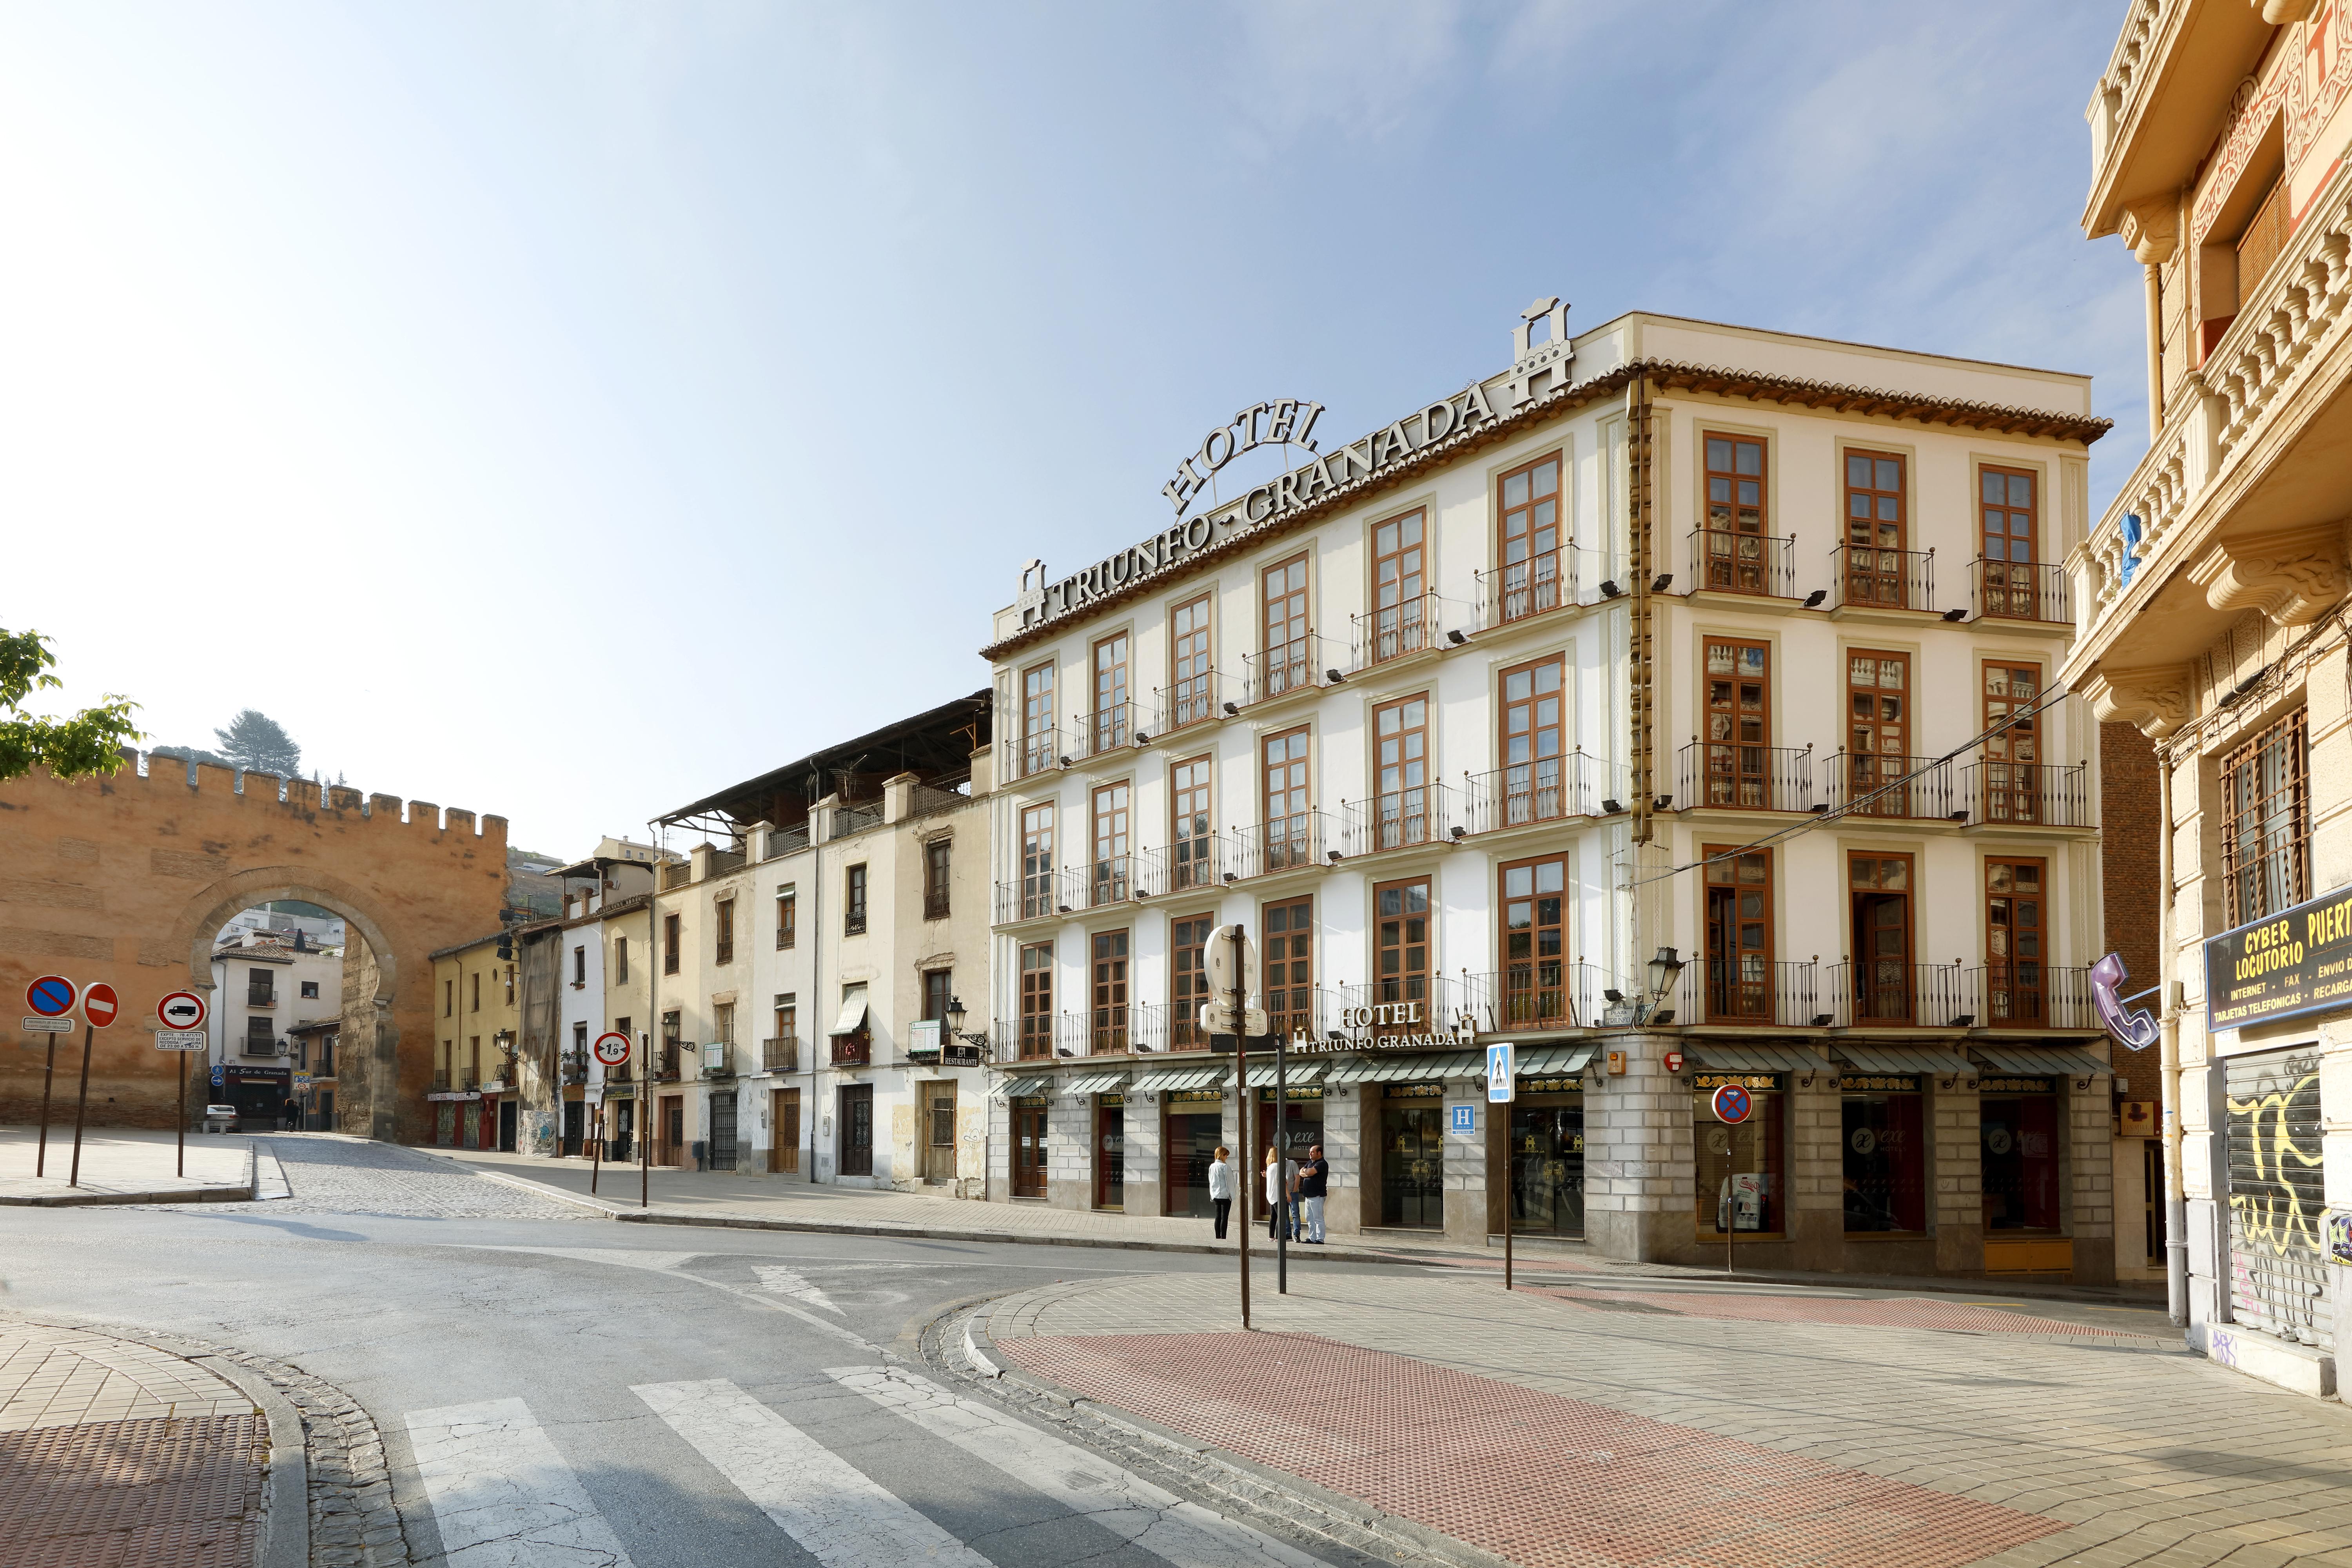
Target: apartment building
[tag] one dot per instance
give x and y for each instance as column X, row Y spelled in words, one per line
column 476, row 1101
column 810, row 950
column 2212, row 599
column 602, row 959
column 1676, row 703
column 267, row 984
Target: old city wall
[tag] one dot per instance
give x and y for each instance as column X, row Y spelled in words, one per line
column 126, row 880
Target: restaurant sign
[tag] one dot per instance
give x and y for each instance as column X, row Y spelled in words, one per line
column 2290, row 963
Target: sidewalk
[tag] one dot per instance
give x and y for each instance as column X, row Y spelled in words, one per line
column 114, row 1451
column 122, row 1166
column 1700, row 1424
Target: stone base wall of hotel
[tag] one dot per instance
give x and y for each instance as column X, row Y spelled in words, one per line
column 1639, row 1187
column 1957, row 1167
column 1344, row 1212
column 2090, row 1161
column 1069, row 1148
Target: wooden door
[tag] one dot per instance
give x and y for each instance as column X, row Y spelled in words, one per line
column 784, row 1130
column 1028, row 1151
column 857, row 1130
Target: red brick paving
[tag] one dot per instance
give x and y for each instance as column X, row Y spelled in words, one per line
column 163, row 1493
column 1537, row 1479
column 1907, row 1312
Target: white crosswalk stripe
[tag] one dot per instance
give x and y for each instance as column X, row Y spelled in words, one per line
column 832, row 1509
column 502, row 1495
column 1183, row 1533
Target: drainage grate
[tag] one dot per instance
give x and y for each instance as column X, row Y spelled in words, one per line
column 159, row 1493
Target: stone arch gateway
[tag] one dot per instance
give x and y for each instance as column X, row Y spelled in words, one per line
column 126, row 880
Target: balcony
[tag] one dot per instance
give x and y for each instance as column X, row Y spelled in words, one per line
column 1196, row 861
column 1864, row 578
column 1530, row 996
column 1521, row 795
column 718, row 1059
column 573, row 1069
column 846, row 820
column 1294, row 843
column 1886, row 994
column 1117, row 879
column 1299, row 665
column 1042, row 1037
column 783, row 841
column 1401, row 820
column 1039, row 895
column 1784, row 993
column 2027, row 795
column 2034, row 591
column 666, row 1062
column 2024, row 994
column 1521, row 590
column 1105, row 729
column 851, row 1050
column 1883, row 784
column 725, row 860
column 1759, row 566
column 1728, row 776
column 1037, row 751
column 675, row 874
column 780, row 1055
column 1394, row 631
column 1195, row 699
column 441, row 1080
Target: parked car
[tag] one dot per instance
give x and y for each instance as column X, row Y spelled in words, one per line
column 220, row 1118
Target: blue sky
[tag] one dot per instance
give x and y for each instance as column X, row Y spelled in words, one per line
column 563, row 410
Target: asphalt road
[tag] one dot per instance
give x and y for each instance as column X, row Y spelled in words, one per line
column 560, row 1391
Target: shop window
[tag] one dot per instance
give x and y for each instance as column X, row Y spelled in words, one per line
column 2018, row 1119
column 1739, row 988
column 1742, row 1167
column 1735, row 548
column 2266, row 822
column 1412, row 1156
column 1037, row 999
column 1188, row 943
column 1110, row 1151
column 1885, row 1153
column 1109, row 979
column 1535, row 944
column 1289, row 962
column 1401, row 956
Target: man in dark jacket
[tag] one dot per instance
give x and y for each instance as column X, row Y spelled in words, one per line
column 291, row 1115
column 1314, row 1180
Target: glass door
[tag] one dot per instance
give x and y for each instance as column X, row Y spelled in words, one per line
column 1548, row 1168
column 1028, row 1151
column 1413, row 1164
column 1110, row 1151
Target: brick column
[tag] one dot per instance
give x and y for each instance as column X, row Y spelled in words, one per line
column 1956, row 1155
column 1638, row 1181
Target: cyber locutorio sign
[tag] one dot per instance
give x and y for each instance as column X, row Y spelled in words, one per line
column 2297, row 961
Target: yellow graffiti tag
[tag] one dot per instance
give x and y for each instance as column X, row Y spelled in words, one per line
column 2274, row 1216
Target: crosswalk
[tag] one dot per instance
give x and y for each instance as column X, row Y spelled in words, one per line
column 503, row 1495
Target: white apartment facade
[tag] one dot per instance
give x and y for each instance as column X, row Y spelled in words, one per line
column 1617, row 650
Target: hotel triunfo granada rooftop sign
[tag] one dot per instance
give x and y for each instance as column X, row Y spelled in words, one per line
column 1290, row 422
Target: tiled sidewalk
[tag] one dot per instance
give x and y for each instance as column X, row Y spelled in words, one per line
column 112, row 1451
column 1634, row 1426
column 121, row 1165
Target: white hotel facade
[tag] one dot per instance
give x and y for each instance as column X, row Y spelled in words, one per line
column 1467, row 719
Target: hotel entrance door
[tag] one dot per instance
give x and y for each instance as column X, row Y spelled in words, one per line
column 1548, row 1165
column 1194, row 1130
column 1413, row 1161
column 1029, row 1149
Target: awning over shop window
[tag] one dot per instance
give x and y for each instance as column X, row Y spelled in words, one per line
column 2039, row 1061
column 1161, row 1079
column 1754, row 1058
column 1022, row 1088
column 1902, row 1058
column 853, row 1016
column 1405, row 1069
column 1262, row 1073
column 1549, row 1061
column 1096, row 1083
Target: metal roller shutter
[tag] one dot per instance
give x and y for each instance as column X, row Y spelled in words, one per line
column 2278, row 1207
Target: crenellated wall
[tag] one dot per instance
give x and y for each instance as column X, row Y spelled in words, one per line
column 126, row 880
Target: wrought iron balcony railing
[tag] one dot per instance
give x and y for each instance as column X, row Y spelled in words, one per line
column 1763, row 565
column 1532, row 994
column 2021, row 591
column 1193, row 699
column 1863, row 577
column 1891, row 993
column 1392, row 631
column 2026, row 993
column 1552, row 790
column 1305, row 661
column 1105, row 729
column 1731, row 775
column 1881, row 783
column 1400, row 820
column 2029, row 793
column 1783, row 993
column 1026, row 756
column 1292, row 843
column 1519, row 590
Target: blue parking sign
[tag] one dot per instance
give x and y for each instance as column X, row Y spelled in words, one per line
column 1465, row 1118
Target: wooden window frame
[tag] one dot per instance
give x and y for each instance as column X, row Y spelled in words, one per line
column 854, row 887
column 1192, row 855
column 1534, row 990
column 788, row 917
column 1400, row 620
column 1875, row 990
column 672, row 939
column 1736, row 772
column 1405, row 991
column 1288, row 664
column 938, row 990
column 1038, row 894
column 1852, row 566
column 2271, row 818
column 1109, row 723
column 1192, row 679
column 1039, row 746
column 1400, row 805
column 620, row 960
column 2010, row 787
column 1187, row 983
column 1530, row 581
column 1110, row 828
column 1110, row 972
column 2009, row 585
column 1535, row 786
column 723, row 935
column 1035, row 995
column 1726, row 997
column 2017, row 985
column 1289, row 1000
column 1868, row 772
column 1735, row 559
column 937, row 876
column 1286, row 835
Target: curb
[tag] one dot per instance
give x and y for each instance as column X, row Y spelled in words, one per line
column 86, row 1200
column 284, row 1541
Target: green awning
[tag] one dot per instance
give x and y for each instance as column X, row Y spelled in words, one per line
column 1902, row 1058
column 2040, row 1061
column 1549, row 1061
column 1308, row 1071
column 1161, row 1079
column 1022, row 1088
column 1721, row 1057
column 1096, row 1083
column 1407, row 1067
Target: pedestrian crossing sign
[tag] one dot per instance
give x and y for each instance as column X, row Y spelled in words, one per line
column 1502, row 1072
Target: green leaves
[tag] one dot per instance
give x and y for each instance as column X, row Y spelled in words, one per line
column 86, row 745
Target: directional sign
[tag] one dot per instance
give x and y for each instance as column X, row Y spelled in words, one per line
column 52, row 996
column 1502, row 1072
column 220, row 1074
column 182, row 1010
column 302, row 1083
column 612, row 1050
column 49, row 1026
column 97, row 1004
column 180, row 1039
column 1733, row 1104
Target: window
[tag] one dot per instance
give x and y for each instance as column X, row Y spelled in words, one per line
column 2019, row 1124
column 259, row 982
column 474, row 1061
column 1191, row 863
column 509, row 980
column 1110, row 725
column 2013, row 957
column 938, row 990
column 723, row 931
column 935, row 877
column 2012, row 752
column 310, row 989
column 853, row 907
column 1535, row 944
column 1188, row 658
column 1873, row 530
column 1739, row 988
column 325, row 1055
column 669, row 944
column 722, row 1022
column 474, row 988
column 258, row 1035
column 1037, row 895
column 1738, row 724
column 1109, row 979
column 1037, row 742
column 1880, row 888
column 578, row 970
column 2266, row 822
column 1400, row 623
column 1401, row 957
column 1286, row 824
column 1400, row 762
column 1108, row 882
column 2008, row 514
column 1287, row 660
column 1741, row 1182
column 2264, row 236
column 1289, row 964
column 1735, row 552
column 788, row 917
column 580, row 1041
column 1533, row 729
column 788, row 1016
column 1886, row 1144
column 1188, row 941
column 1037, row 999
column 1531, row 554
column 1878, row 731
column 621, row 961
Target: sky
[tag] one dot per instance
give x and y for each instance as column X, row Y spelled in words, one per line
column 564, row 411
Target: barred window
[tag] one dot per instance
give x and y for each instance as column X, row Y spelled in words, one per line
column 2266, row 822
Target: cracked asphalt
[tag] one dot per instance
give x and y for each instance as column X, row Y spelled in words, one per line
column 563, row 1390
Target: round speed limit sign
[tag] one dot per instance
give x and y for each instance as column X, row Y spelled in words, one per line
column 612, row 1050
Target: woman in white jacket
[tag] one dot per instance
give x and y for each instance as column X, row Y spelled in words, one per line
column 1221, row 1188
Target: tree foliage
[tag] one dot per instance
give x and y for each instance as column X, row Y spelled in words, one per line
column 86, row 745
column 258, row 744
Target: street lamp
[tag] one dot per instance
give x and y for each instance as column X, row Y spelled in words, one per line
column 955, row 1024
column 1664, row 969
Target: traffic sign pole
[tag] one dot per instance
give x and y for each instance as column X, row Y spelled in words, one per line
column 41, row 1157
column 181, row 1169
column 1281, row 1172
column 81, row 1103
column 1241, row 1062
column 1502, row 1088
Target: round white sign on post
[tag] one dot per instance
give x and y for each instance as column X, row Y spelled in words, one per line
column 612, row 1050
column 182, row 1010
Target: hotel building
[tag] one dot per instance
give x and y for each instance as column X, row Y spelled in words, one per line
column 1671, row 636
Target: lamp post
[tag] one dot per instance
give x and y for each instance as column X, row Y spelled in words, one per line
column 1664, row 969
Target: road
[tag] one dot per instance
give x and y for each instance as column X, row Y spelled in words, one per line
column 560, row 1391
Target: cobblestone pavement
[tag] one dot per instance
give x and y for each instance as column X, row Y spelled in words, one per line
column 331, row 1174
column 2131, row 1449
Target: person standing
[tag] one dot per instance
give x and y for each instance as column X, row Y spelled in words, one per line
column 291, row 1115
column 1221, row 1188
column 1314, row 1179
column 1281, row 1195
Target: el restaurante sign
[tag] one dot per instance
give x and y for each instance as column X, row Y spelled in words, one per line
column 2299, row 962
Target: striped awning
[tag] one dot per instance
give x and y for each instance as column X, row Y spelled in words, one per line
column 2039, row 1061
column 1165, row 1078
column 1902, row 1058
column 1022, row 1088
column 1546, row 1061
column 1753, row 1058
column 1308, row 1071
column 1096, row 1082
column 1406, row 1068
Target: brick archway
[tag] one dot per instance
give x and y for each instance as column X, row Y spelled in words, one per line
column 126, row 880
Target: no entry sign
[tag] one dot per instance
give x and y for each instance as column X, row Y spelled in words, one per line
column 612, row 1050
column 97, row 1004
column 1733, row 1104
column 181, row 1010
column 52, row 996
